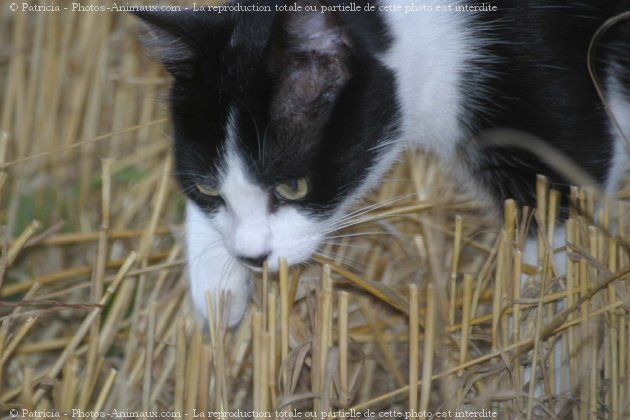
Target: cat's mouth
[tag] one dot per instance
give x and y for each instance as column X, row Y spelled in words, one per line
column 258, row 266
column 253, row 263
column 271, row 268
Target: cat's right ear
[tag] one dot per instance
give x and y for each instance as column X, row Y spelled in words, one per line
column 180, row 40
column 164, row 37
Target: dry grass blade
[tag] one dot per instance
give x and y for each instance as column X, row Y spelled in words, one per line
column 94, row 308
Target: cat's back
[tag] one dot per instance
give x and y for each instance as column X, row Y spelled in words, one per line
column 466, row 67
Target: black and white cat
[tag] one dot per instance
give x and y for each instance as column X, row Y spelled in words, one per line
column 284, row 120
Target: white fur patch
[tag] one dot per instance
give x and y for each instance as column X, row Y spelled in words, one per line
column 244, row 227
column 250, row 229
column 244, row 222
column 530, row 257
column 530, row 253
column 430, row 46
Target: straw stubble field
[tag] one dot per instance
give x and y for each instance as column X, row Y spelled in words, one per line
column 413, row 309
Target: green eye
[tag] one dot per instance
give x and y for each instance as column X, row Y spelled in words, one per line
column 205, row 190
column 293, row 190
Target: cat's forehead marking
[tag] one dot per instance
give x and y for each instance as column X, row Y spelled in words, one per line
column 244, row 197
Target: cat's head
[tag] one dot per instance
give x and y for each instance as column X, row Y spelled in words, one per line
column 281, row 120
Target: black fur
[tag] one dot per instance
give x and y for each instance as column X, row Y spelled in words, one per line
column 244, row 75
column 328, row 131
column 542, row 86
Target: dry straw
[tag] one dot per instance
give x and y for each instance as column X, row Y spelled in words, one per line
column 417, row 305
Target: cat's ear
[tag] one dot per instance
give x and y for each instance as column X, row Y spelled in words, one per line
column 180, row 40
column 165, row 38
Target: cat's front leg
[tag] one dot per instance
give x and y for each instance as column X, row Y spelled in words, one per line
column 211, row 268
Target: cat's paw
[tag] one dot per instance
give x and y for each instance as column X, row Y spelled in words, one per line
column 211, row 268
column 226, row 280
